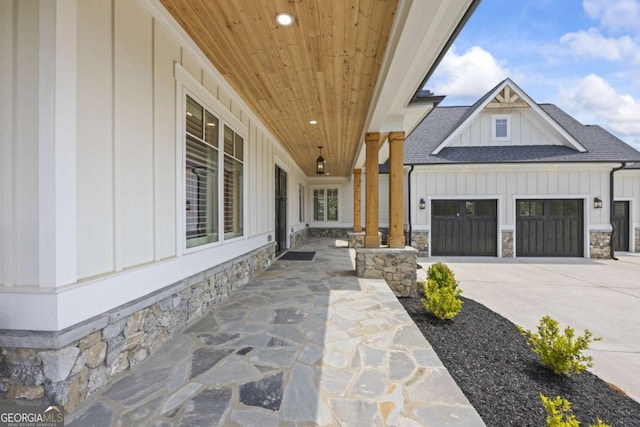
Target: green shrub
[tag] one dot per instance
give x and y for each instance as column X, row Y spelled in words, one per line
column 441, row 292
column 442, row 275
column 561, row 353
column 559, row 413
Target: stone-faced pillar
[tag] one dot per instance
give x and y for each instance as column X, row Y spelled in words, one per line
column 372, row 238
column 357, row 200
column 396, row 205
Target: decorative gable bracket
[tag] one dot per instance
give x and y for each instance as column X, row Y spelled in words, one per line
column 507, row 99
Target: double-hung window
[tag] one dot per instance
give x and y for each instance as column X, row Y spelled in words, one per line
column 325, row 204
column 201, row 175
column 233, row 173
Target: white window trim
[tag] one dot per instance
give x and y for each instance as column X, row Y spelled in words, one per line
column 494, row 118
column 326, row 187
column 186, row 84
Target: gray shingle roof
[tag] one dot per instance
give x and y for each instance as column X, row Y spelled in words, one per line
column 601, row 145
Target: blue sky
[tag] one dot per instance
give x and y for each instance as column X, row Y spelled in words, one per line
column 582, row 55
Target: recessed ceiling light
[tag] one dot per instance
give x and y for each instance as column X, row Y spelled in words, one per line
column 189, row 114
column 284, row 19
column 313, row 122
column 211, row 124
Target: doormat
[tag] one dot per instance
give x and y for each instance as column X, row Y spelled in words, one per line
column 297, row 256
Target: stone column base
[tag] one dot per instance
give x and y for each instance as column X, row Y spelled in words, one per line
column 507, row 244
column 420, row 241
column 397, row 266
column 600, row 244
column 356, row 239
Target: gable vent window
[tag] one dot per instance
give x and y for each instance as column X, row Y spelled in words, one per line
column 501, row 128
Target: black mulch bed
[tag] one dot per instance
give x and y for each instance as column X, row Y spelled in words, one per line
column 502, row 377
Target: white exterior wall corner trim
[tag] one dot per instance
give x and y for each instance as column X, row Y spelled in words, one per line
column 507, row 82
column 57, row 144
column 7, row 137
column 586, row 217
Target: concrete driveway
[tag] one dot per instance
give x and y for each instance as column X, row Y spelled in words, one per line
column 600, row 295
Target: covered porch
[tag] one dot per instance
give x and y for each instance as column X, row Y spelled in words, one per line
column 304, row 343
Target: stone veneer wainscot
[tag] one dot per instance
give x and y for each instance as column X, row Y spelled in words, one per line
column 507, row 244
column 420, row 241
column 68, row 366
column 298, row 237
column 600, row 244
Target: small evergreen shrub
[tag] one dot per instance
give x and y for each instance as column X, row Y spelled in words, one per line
column 441, row 292
column 442, row 275
column 559, row 413
column 562, row 353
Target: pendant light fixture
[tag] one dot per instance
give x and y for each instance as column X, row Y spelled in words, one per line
column 320, row 163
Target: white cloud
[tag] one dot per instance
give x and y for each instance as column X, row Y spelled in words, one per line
column 468, row 75
column 615, row 15
column 592, row 43
column 595, row 99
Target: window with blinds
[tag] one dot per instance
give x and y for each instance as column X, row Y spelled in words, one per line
column 201, row 175
column 233, row 175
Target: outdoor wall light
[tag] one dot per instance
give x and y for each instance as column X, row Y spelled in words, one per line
column 320, row 163
column 423, row 204
column 597, row 203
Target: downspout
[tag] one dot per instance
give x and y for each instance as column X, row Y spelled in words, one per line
column 408, row 243
column 612, row 210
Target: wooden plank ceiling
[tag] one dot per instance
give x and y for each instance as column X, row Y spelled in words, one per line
column 324, row 67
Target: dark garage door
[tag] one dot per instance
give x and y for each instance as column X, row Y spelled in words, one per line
column 549, row 228
column 464, row 227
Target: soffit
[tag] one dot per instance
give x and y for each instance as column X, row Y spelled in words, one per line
column 324, row 67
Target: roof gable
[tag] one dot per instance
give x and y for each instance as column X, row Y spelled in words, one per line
column 508, row 97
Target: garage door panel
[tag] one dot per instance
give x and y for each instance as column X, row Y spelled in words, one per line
column 464, row 227
column 549, row 228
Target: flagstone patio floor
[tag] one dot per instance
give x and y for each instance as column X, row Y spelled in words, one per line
column 304, row 343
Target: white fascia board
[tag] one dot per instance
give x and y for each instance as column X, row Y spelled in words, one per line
column 471, row 117
column 420, row 32
column 535, row 107
column 513, row 167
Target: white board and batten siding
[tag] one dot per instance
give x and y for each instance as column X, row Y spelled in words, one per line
column 627, row 188
column 507, row 183
column 525, row 129
column 127, row 183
